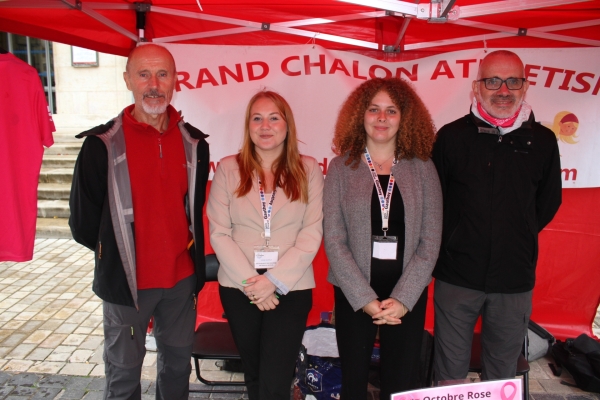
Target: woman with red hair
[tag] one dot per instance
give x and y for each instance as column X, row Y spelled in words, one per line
column 265, row 214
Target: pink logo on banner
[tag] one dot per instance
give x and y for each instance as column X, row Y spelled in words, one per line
column 506, row 389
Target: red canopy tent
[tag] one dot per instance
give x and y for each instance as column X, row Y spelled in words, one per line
column 373, row 27
column 567, row 292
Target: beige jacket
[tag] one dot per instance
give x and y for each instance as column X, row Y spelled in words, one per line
column 236, row 226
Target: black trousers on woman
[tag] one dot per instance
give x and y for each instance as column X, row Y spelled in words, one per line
column 400, row 348
column 268, row 341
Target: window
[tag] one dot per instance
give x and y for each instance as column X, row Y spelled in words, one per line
column 38, row 54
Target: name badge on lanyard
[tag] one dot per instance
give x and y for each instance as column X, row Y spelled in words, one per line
column 266, row 256
column 384, row 247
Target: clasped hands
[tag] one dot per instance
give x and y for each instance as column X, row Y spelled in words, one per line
column 261, row 292
column 389, row 311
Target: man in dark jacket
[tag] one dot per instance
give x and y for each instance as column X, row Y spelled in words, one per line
column 136, row 200
column 501, row 183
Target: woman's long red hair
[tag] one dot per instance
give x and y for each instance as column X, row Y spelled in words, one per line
column 288, row 169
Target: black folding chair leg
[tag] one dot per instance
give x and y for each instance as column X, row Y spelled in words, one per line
column 216, row 383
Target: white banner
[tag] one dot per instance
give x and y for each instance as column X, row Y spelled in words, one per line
column 216, row 82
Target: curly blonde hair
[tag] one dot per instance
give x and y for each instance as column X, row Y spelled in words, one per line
column 416, row 133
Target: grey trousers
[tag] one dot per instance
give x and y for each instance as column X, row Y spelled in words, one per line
column 504, row 324
column 125, row 339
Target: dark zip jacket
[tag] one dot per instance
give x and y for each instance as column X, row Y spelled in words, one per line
column 102, row 211
column 499, row 192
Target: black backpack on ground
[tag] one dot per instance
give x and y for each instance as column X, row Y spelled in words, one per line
column 581, row 357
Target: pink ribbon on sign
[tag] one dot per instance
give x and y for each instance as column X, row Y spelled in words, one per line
column 510, row 396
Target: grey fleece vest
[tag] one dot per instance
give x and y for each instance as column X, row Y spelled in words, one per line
column 120, row 199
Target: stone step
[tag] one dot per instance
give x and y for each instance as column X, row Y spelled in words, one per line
column 71, row 148
column 66, row 136
column 53, row 209
column 56, row 175
column 54, row 191
column 79, row 122
column 56, row 228
column 59, row 161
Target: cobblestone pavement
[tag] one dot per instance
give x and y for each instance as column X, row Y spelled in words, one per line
column 51, row 337
column 25, row 385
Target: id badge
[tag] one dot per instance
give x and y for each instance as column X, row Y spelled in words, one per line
column 385, row 247
column 265, row 256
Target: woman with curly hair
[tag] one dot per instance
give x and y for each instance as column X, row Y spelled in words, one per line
column 382, row 227
column 265, row 211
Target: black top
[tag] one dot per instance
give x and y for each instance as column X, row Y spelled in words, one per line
column 499, row 191
column 386, row 273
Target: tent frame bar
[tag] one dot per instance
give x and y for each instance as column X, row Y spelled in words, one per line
column 541, row 32
column 286, row 27
column 435, row 13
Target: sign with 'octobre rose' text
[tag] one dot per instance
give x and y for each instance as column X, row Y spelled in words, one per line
column 506, row 389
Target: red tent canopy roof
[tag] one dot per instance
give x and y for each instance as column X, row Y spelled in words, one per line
column 110, row 25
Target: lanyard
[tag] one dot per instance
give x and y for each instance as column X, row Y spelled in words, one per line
column 384, row 200
column 266, row 209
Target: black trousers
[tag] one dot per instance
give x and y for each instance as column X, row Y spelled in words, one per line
column 400, row 348
column 268, row 341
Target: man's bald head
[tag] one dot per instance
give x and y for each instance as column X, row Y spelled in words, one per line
column 499, row 56
column 142, row 50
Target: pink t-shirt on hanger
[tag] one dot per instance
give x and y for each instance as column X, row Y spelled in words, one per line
column 25, row 127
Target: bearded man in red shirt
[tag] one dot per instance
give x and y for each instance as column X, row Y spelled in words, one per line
column 138, row 190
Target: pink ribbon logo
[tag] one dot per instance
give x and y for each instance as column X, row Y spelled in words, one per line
column 508, row 391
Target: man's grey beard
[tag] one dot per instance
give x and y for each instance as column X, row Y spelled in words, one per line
column 157, row 109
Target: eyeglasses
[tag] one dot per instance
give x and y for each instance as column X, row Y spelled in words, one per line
column 496, row 83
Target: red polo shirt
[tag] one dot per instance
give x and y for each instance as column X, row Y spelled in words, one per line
column 158, row 175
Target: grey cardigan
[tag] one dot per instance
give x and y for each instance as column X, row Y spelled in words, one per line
column 347, row 228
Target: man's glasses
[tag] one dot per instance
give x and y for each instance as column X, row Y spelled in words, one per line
column 496, row 83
